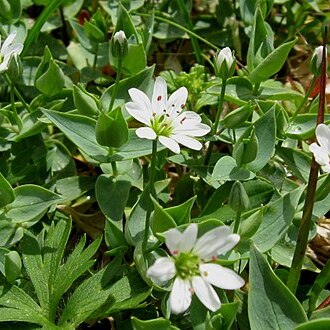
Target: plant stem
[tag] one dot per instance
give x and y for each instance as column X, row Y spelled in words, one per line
column 13, row 106
column 302, row 240
column 216, row 122
column 237, row 222
column 17, row 93
column 152, row 193
column 311, row 87
column 96, row 55
column 115, row 87
column 194, row 42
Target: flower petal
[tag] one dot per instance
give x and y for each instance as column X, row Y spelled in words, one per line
column 9, row 40
column 206, row 294
column 162, row 270
column 146, row 133
column 214, row 242
column 170, row 144
column 221, row 277
column 320, row 154
column 14, row 48
column 180, row 297
column 326, row 168
column 187, row 141
column 134, row 109
column 189, row 237
column 173, row 239
column 159, row 96
column 323, row 136
column 177, row 101
column 141, row 99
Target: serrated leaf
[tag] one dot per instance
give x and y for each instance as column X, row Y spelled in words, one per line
column 271, row 305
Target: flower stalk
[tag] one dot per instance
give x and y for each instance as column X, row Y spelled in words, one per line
column 152, row 193
column 305, row 225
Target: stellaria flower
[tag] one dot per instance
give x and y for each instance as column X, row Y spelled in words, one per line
column 165, row 118
column 321, row 150
column 192, row 268
column 8, row 49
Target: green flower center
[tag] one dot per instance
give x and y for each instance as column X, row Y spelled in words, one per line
column 187, row 265
column 162, row 125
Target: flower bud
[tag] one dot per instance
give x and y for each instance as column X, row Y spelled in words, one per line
column 15, row 67
column 118, row 44
column 316, row 60
column 112, row 129
column 237, row 117
column 85, row 102
column 238, row 199
column 224, row 63
column 245, row 151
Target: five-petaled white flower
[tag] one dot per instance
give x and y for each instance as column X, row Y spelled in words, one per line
column 8, row 49
column 192, row 267
column 165, row 118
column 321, row 150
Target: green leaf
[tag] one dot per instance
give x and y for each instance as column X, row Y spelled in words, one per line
column 297, row 161
column 112, row 194
column 159, row 324
column 81, row 131
column 226, row 169
column 322, row 280
column 320, row 324
column 250, row 225
column 303, row 126
column 271, row 305
column 13, row 266
column 32, row 259
column 265, row 129
column 182, row 213
column 91, row 294
column 7, row 194
column 161, row 220
column 136, row 147
column 31, row 203
column 277, row 218
column 272, row 63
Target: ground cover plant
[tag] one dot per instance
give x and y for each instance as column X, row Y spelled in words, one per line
column 164, row 164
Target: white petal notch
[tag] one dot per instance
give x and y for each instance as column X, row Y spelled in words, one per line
column 166, row 117
column 193, row 268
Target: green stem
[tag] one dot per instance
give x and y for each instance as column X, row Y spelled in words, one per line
column 237, row 222
column 96, row 55
column 13, row 106
column 216, row 122
column 115, row 87
column 310, row 89
column 152, row 192
column 194, row 42
column 114, row 168
column 17, row 93
column 181, row 27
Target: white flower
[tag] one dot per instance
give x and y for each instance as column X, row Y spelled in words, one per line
column 165, row 118
column 321, row 150
column 8, row 49
column 192, row 268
